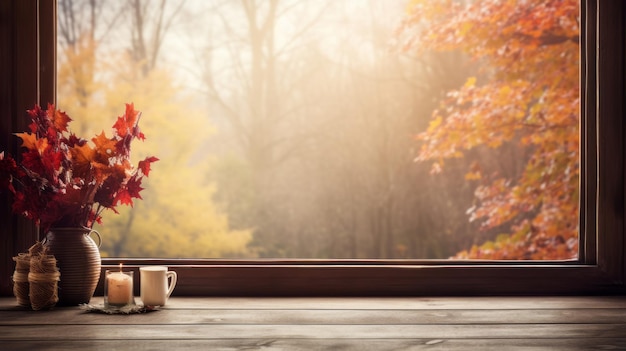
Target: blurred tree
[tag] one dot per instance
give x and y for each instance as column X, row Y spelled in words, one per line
column 177, row 217
column 252, row 94
column 320, row 119
column 527, row 95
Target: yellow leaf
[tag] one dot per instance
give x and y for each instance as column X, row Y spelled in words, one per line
column 434, row 123
column 470, row 82
column 472, row 176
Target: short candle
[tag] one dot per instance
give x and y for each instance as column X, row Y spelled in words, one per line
column 120, row 288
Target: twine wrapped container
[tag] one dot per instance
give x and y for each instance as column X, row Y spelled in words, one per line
column 36, row 278
column 43, row 282
column 20, row 279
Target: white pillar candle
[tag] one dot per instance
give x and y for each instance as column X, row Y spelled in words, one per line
column 120, row 288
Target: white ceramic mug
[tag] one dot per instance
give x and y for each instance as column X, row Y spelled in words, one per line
column 154, row 284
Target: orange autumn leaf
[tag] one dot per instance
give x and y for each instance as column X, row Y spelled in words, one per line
column 527, row 96
column 104, row 147
column 29, row 140
column 127, row 123
column 82, row 158
column 59, row 118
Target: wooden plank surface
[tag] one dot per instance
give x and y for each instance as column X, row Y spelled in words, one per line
column 382, row 303
column 332, row 317
column 485, row 323
column 307, row 345
column 136, row 330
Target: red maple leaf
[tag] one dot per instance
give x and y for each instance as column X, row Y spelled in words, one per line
column 144, row 165
column 62, row 177
column 134, row 187
column 123, row 197
column 8, row 169
column 126, row 194
column 40, row 121
column 127, row 124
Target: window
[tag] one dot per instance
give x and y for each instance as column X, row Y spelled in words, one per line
column 599, row 269
column 287, row 129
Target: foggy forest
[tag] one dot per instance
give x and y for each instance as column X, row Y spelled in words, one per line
column 335, row 129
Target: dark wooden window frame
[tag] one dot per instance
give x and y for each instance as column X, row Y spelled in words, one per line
column 27, row 66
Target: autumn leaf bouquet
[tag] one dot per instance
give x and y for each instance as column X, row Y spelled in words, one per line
column 63, row 180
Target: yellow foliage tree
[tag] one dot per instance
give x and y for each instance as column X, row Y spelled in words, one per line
column 177, row 217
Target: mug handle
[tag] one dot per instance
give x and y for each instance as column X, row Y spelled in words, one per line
column 173, row 278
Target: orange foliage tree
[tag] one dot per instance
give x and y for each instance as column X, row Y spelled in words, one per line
column 527, row 93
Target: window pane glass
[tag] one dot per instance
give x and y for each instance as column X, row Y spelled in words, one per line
column 402, row 129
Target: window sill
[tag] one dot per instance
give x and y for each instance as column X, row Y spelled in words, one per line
column 379, row 278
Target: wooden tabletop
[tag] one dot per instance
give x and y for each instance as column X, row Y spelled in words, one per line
column 222, row 323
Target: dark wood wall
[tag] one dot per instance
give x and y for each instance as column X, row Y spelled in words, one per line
column 26, row 77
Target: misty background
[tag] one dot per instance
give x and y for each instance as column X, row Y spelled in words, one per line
column 284, row 128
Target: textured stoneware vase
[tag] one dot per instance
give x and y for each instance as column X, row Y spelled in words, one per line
column 79, row 262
